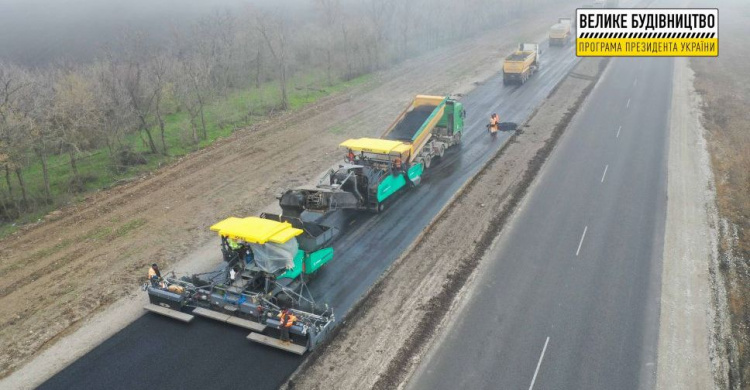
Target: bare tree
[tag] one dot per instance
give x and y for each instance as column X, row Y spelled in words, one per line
column 13, row 140
column 75, row 118
column 117, row 114
column 380, row 13
column 36, row 106
column 330, row 11
column 141, row 94
column 160, row 69
column 274, row 31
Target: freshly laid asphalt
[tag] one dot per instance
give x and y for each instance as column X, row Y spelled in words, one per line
column 162, row 353
column 557, row 308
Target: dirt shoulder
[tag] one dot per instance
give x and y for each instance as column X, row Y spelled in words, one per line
column 686, row 344
column 392, row 327
column 80, row 260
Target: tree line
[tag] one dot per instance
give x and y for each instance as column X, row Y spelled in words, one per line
column 121, row 98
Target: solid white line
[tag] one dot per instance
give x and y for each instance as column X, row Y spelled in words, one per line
column 628, row 104
column 605, row 172
column 582, row 237
column 618, row 131
column 539, row 364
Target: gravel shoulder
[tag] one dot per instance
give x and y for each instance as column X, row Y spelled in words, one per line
column 61, row 277
column 688, row 352
column 394, row 325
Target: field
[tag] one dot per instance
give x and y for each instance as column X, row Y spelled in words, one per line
column 724, row 85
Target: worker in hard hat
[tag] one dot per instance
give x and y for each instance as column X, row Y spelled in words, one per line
column 154, row 275
column 286, row 320
column 494, row 125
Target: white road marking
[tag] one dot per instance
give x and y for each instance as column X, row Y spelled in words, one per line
column 605, row 172
column 618, row 132
column 581, row 243
column 539, row 364
column 628, row 104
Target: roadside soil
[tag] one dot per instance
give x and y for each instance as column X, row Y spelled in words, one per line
column 689, row 355
column 55, row 275
column 723, row 84
column 392, row 326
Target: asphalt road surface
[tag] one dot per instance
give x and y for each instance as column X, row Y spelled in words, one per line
column 569, row 296
column 163, row 353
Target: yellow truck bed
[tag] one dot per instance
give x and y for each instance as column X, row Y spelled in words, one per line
column 519, row 61
column 406, row 149
column 559, row 31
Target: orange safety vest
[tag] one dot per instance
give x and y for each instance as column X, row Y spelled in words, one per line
column 151, row 273
column 494, row 120
column 287, row 319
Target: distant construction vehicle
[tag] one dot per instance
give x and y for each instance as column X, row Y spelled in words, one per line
column 603, row 4
column 268, row 260
column 377, row 168
column 559, row 33
column 521, row 64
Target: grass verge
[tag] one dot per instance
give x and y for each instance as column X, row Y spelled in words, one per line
column 725, row 89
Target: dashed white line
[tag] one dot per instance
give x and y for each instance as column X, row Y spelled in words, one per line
column 628, row 105
column 618, row 132
column 539, row 364
column 581, row 242
column 605, row 172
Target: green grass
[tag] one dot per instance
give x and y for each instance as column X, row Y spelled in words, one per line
column 223, row 116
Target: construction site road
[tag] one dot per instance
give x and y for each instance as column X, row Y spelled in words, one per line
column 569, row 296
column 166, row 353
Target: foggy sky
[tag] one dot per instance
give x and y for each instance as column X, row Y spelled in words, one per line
column 34, row 32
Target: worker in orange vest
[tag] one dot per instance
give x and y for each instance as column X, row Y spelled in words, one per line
column 350, row 156
column 494, row 125
column 286, row 320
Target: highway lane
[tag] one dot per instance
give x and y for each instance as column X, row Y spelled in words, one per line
column 160, row 352
column 569, row 296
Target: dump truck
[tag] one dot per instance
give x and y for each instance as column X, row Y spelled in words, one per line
column 521, row 64
column 559, row 33
column 377, row 168
column 268, row 261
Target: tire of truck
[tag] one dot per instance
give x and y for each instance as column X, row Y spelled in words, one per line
column 457, row 140
column 427, row 162
column 441, row 150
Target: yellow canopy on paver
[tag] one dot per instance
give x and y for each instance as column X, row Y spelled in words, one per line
column 256, row 230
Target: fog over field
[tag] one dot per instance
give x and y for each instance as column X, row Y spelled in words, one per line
column 35, row 32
